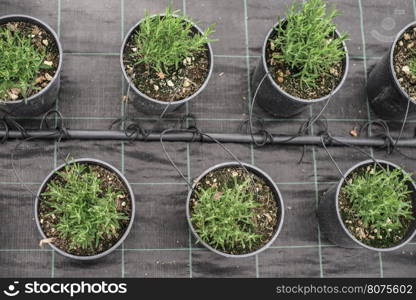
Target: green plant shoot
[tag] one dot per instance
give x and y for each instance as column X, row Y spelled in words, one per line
column 21, row 62
column 224, row 218
column 87, row 208
column 307, row 42
column 164, row 41
column 380, row 199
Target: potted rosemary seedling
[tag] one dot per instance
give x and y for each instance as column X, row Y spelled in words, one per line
column 373, row 207
column 235, row 210
column 84, row 209
column 167, row 60
column 391, row 84
column 304, row 60
column 31, row 62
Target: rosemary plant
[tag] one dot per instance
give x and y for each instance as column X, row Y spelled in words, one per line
column 380, row 199
column 412, row 64
column 21, row 62
column 307, row 43
column 164, row 41
column 224, row 217
column 86, row 207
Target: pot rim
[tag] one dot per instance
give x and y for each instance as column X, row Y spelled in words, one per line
column 339, row 186
column 257, row 172
column 141, row 94
column 33, row 20
column 391, row 62
column 286, row 94
column 126, row 232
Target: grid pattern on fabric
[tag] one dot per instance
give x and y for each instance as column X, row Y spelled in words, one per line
column 160, row 243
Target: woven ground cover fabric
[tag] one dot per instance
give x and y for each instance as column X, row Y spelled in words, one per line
column 160, row 243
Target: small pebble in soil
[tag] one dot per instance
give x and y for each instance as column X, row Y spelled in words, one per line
column 186, row 83
column 36, row 30
column 15, row 91
column 170, row 83
column 40, row 79
column 406, row 70
column 333, row 71
column 13, row 96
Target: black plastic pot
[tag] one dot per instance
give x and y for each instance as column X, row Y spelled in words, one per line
column 131, row 196
column 44, row 99
column 332, row 225
column 257, row 172
column 385, row 94
column 146, row 104
column 272, row 98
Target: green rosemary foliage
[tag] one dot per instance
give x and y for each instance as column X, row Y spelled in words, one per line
column 380, row 199
column 20, row 63
column 306, row 41
column 87, row 211
column 224, row 218
column 412, row 64
column 163, row 42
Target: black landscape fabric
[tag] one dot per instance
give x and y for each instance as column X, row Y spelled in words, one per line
column 160, row 244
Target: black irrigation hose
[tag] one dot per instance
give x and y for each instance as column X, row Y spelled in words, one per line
column 190, row 137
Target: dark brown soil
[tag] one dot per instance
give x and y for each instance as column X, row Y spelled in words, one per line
column 365, row 234
column 267, row 215
column 282, row 74
column 404, row 50
column 43, row 40
column 48, row 222
column 175, row 86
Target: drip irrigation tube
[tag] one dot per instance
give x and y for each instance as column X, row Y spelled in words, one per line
column 190, row 137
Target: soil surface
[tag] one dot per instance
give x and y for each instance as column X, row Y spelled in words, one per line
column 42, row 40
column 404, row 50
column 179, row 84
column 48, row 222
column 267, row 214
column 355, row 225
column 282, row 74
